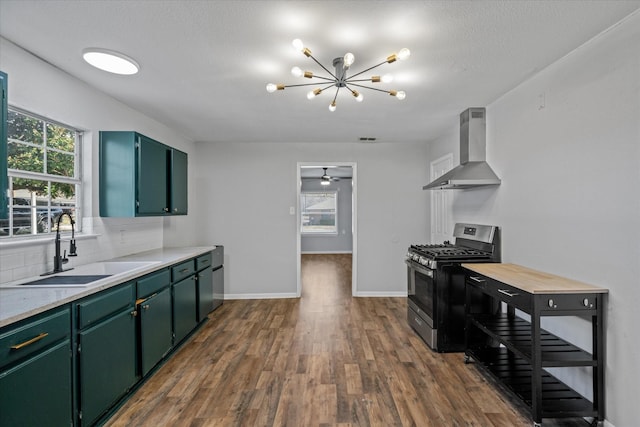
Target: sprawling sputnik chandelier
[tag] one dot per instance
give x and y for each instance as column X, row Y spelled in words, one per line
column 339, row 79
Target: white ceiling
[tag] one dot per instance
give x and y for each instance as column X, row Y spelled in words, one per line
column 205, row 64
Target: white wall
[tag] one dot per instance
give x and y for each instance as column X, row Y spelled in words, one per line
column 343, row 241
column 40, row 88
column 245, row 191
column 569, row 203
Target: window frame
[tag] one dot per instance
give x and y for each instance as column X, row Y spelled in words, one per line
column 48, row 178
column 304, row 232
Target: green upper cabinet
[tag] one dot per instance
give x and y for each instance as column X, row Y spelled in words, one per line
column 152, row 177
column 4, row 181
column 140, row 176
column 178, row 182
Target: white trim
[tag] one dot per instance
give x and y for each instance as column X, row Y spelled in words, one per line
column 325, row 252
column 381, row 294
column 354, row 222
column 260, row 296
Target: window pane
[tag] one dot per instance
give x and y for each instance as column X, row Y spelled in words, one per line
column 61, row 138
column 318, row 213
column 21, row 219
column 60, row 164
column 24, row 128
column 25, row 157
column 25, row 189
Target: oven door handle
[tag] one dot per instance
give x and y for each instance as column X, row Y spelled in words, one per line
column 419, row 268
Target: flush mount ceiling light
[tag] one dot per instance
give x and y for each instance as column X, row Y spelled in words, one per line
column 111, row 61
column 340, row 79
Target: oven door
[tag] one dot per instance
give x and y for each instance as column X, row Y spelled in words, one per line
column 422, row 291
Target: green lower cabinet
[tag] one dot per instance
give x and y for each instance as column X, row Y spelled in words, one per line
column 106, row 363
column 38, row 391
column 184, row 308
column 205, row 293
column 155, row 329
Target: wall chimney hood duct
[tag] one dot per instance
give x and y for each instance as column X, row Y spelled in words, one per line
column 473, row 170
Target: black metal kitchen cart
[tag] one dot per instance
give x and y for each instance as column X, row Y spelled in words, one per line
column 517, row 352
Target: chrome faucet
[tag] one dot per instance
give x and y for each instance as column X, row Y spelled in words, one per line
column 58, row 260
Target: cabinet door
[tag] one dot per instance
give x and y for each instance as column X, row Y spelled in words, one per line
column 152, row 177
column 205, row 293
column 155, row 329
column 184, row 308
column 218, row 287
column 107, row 363
column 178, row 182
column 4, row 183
column 38, row 391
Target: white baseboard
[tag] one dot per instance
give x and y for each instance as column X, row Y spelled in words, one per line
column 382, row 294
column 325, row 252
column 259, row 296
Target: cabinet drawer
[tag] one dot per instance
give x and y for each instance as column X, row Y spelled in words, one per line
column 153, row 283
column 182, row 270
column 512, row 296
column 96, row 308
column 34, row 335
column 203, row 261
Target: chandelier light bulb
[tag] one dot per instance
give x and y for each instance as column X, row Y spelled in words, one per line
column 271, row 87
column 296, row 71
column 387, row 78
column 357, row 95
column 404, row 54
column 297, row 44
column 401, row 95
column 332, row 106
column 313, row 93
column 348, row 59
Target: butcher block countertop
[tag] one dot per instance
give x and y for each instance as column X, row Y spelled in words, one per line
column 533, row 281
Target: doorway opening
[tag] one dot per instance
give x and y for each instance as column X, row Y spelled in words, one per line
column 326, row 217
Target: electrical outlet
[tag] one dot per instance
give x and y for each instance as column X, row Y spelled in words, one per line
column 292, row 210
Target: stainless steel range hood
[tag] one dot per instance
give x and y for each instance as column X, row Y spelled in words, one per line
column 473, row 170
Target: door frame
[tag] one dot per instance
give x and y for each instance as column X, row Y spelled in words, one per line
column 441, row 211
column 354, row 226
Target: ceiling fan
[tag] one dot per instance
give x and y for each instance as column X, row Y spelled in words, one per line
column 325, row 179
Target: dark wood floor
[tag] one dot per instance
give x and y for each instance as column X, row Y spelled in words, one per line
column 326, row 359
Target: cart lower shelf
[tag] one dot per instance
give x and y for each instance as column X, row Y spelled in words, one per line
column 558, row 399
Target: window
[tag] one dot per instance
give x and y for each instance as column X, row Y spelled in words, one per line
column 319, row 213
column 43, row 159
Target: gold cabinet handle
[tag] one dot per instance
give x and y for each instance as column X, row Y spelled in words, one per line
column 29, row 342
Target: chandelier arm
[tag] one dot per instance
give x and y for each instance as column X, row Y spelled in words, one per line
column 367, row 87
column 336, row 95
column 323, row 78
column 309, row 84
column 349, row 80
column 368, row 69
column 323, row 67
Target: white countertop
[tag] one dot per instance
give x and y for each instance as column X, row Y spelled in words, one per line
column 17, row 303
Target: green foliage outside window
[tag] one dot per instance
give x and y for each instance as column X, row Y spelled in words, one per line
column 37, row 146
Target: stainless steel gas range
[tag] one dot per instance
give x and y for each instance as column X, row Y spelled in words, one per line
column 436, row 287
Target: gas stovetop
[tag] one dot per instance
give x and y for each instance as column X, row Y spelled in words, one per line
column 473, row 243
column 447, row 251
